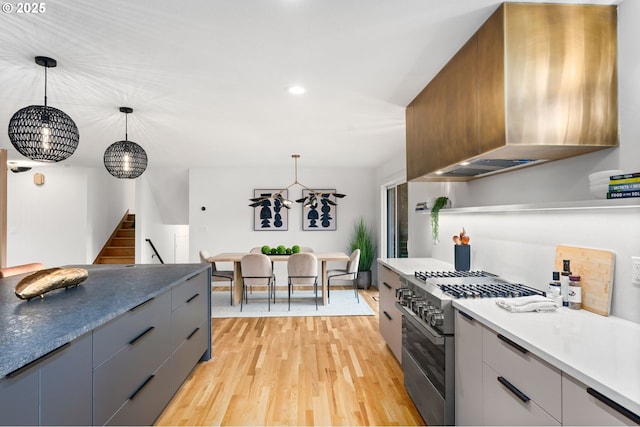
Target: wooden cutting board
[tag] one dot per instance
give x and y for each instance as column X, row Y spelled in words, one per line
column 595, row 268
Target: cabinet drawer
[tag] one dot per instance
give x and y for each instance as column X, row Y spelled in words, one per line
column 117, row 378
column 187, row 355
column 579, row 408
column 116, row 334
column 502, row 407
column 187, row 317
column 536, row 378
column 391, row 329
column 153, row 394
column 19, row 398
column 183, row 293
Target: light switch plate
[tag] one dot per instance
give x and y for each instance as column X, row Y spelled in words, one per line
column 635, row 270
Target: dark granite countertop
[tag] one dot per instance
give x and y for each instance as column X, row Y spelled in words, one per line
column 31, row 329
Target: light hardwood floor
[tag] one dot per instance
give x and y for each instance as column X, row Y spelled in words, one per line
column 296, row 371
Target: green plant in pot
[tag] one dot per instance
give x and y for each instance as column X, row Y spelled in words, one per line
column 362, row 239
column 438, row 204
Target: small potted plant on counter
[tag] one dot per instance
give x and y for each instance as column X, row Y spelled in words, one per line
column 363, row 239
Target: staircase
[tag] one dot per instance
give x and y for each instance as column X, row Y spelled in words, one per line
column 121, row 246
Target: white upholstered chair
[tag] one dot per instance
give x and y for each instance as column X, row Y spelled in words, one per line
column 257, row 271
column 218, row 276
column 302, row 269
column 349, row 273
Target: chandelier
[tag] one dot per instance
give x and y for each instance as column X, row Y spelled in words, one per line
column 125, row 159
column 43, row 133
column 310, row 200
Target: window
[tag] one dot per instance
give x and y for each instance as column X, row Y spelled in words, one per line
column 397, row 221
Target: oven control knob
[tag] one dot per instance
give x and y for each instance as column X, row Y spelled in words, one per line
column 436, row 318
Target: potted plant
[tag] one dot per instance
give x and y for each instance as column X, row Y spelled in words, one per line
column 438, row 204
column 363, row 239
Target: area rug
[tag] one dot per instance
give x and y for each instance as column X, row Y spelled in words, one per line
column 343, row 303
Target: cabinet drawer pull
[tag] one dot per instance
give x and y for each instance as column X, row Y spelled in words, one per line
column 139, row 389
column 149, row 329
column 513, row 389
column 193, row 333
column 140, row 305
column 518, row 347
column 466, row 315
column 194, row 276
column 387, row 285
column 388, row 316
column 614, row 405
column 192, row 298
column 38, row 360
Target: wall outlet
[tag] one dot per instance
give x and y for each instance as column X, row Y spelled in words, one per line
column 635, row 270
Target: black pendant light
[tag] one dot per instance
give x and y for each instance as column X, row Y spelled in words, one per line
column 43, row 133
column 125, row 159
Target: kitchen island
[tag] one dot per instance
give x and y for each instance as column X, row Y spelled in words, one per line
column 112, row 350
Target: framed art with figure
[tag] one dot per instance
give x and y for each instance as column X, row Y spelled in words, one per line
column 270, row 215
column 320, row 214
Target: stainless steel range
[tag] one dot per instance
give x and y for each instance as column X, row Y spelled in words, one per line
column 428, row 333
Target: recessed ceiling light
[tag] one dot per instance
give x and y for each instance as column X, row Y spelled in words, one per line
column 296, row 90
column 467, row 163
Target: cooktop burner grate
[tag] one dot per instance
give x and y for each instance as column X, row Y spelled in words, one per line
column 488, row 290
column 424, row 275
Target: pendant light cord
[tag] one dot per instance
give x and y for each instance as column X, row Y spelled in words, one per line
column 45, row 85
column 126, row 126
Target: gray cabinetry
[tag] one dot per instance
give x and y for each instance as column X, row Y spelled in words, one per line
column 587, row 407
column 140, row 341
column 53, row 390
column 189, row 320
column 468, row 363
column 519, row 388
column 390, row 316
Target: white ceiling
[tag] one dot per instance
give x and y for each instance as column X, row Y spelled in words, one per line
column 207, row 78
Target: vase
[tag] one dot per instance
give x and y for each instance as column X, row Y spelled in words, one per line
column 462, row 257
column 364, row 279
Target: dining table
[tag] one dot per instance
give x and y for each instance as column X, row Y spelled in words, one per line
column 235, row 257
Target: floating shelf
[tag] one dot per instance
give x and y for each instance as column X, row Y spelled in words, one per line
column 551, row 206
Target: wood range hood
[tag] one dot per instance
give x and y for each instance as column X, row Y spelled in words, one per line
column 536, row 83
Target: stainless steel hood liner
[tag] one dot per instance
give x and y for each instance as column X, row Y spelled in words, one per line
column 481, row 167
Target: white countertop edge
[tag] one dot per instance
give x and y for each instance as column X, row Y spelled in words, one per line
column 411, row 265
column 588, row 378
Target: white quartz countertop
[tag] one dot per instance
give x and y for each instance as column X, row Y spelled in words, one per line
column 602, row 352
column 411, row 265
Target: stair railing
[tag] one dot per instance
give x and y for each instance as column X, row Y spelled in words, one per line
column 155, row 251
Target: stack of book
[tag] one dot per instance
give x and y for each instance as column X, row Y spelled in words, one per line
column 623, row 186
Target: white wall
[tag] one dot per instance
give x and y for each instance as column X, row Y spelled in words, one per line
column 65, row 221
column 226, row 224
column 170, row 240
column 521, row 245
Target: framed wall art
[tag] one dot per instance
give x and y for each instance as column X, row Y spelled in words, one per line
column 321, row 214
column 270, row 215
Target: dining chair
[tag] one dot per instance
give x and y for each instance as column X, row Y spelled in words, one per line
column 257, row 271
column 302, row 269
column 349, row 273
column 218, row 275
column 20, row 269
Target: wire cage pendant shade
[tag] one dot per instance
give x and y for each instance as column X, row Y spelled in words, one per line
column 125, row 159
column 43, row 133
